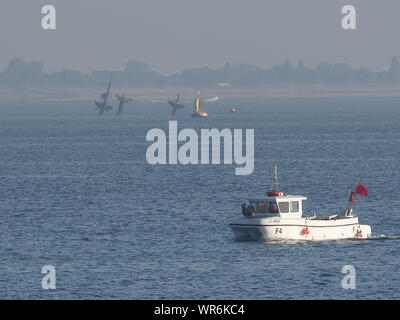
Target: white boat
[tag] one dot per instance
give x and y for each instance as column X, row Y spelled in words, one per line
column 280, row 217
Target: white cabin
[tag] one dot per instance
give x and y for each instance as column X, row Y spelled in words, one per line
column 284, row 206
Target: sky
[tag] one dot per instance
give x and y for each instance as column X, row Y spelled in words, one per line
column 172, row 35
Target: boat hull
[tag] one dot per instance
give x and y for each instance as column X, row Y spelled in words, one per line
column 267, row 229
column 199, row 115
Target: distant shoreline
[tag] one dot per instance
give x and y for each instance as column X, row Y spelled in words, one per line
column 24, row 93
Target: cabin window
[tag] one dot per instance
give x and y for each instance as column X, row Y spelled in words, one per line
column 254, row 206
column 294, row 206
column 284, row 207
column 261, row 207
column 272, row 207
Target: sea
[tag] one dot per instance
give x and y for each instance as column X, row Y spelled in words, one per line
column 77, row 193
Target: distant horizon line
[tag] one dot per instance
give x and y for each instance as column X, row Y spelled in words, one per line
column 293, row 64
column 136, row 73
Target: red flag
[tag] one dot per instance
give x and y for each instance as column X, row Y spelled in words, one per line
column 361, row 190
column 352, row 198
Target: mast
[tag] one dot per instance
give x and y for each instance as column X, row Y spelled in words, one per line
column 352, row 198
column 274, row 191
column 275, row 183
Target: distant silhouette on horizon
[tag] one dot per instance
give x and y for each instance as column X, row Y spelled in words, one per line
column 136, row 74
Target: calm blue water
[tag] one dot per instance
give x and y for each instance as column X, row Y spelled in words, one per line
column 76, row 192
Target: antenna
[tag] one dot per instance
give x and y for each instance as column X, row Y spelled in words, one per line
column 274, row 192
column 275, row 183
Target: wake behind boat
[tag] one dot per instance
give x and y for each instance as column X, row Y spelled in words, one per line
column 280, row 217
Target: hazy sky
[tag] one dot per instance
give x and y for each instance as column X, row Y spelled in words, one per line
column 175, row 34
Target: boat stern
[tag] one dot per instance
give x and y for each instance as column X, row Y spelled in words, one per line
column 365, row 232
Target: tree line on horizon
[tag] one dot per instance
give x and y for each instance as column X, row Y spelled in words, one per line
column 135, row 73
